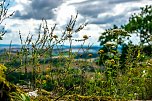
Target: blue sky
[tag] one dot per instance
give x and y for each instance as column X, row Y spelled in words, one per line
column 100, row 14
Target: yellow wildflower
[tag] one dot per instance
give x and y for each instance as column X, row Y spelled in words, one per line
column 100, row 51
column 85, row 37
column 55, row 36
column 44, row 81
column 90, row 55
column 112, row 61
column 47, row 76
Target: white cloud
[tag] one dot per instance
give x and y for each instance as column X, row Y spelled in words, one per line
column 64, row 13
column 103, row 16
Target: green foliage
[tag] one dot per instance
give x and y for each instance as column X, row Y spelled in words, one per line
column 141, row 24
column 2, row 69
column 126, row 72
column 110, row 40
column 7, row 88
column 19, row 97
column 113, row 35
column 147, row 50
column 87, row 98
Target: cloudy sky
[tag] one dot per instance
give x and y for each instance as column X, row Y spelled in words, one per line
column 100, row 15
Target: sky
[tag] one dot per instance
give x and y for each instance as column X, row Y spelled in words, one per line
column 99, row 14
